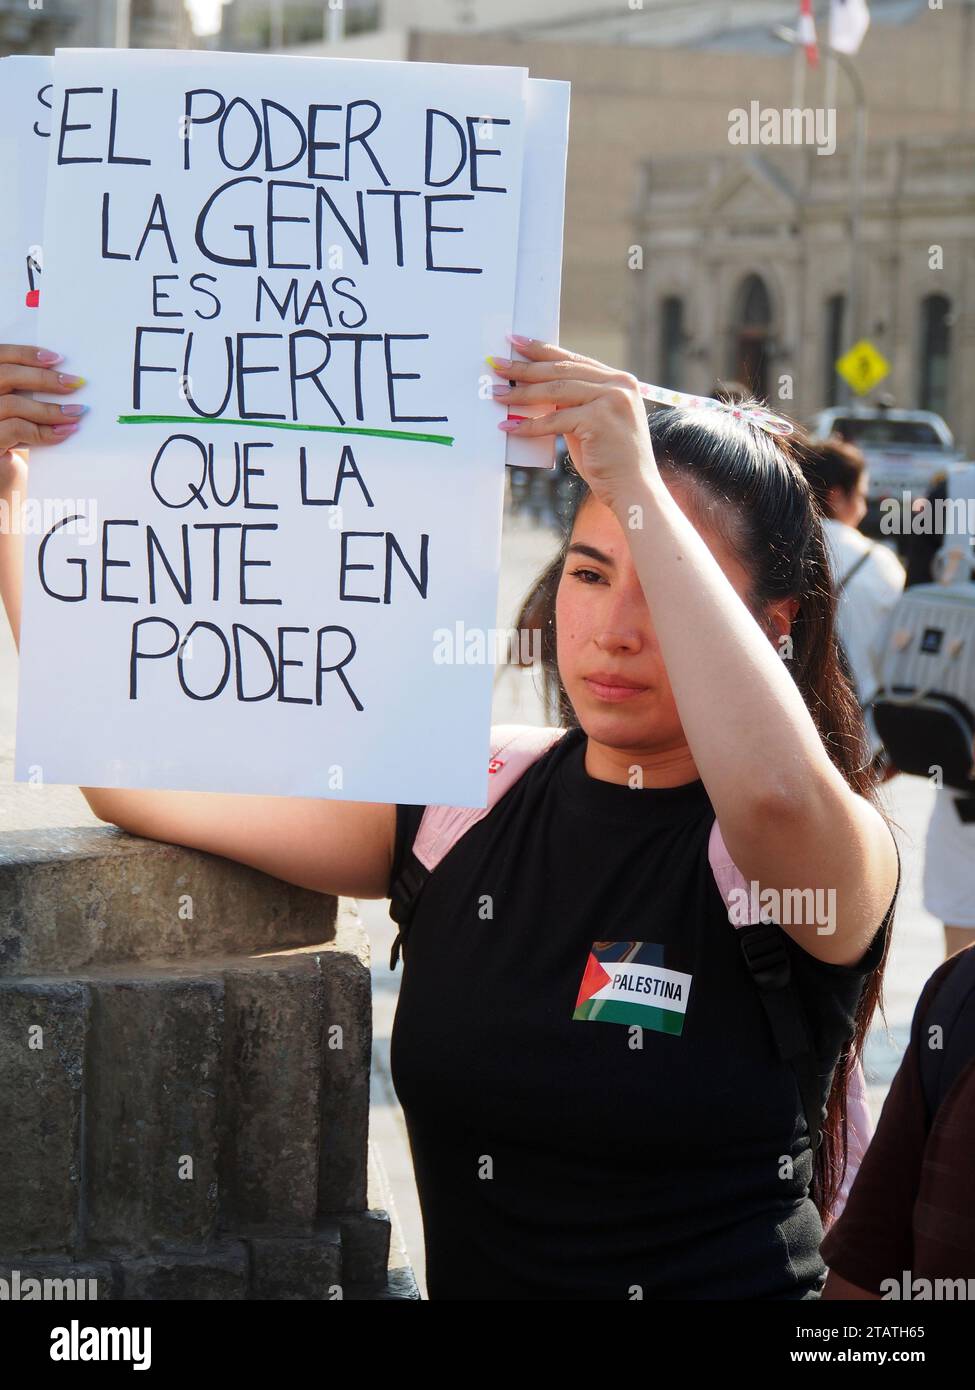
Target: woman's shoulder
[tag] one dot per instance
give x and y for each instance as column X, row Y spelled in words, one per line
column 433, row 830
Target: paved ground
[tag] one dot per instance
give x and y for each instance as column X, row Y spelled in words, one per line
column 917, row 947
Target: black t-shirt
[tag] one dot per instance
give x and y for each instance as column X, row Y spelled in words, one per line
column 573, row 1157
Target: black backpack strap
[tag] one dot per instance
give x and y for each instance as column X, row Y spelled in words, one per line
column 953, row 1008
column 408, row 884
column 771, row 969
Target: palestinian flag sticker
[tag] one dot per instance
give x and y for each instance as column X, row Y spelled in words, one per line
column 627, row 982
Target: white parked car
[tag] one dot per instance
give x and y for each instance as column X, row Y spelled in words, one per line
column 904, row 449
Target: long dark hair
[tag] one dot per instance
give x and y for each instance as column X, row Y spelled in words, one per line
column 748, row 486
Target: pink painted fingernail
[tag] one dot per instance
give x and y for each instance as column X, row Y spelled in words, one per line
column 43, row 355
column 73, row 409
column 512, row 423
column 63, row 430
column 499, row 390
column 519, row 341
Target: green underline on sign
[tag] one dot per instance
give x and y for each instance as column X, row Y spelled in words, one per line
column 447, row 439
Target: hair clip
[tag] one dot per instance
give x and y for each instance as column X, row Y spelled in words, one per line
column 756, row 415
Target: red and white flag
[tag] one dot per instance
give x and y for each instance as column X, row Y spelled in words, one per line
column 807, row 32
column 849, row 20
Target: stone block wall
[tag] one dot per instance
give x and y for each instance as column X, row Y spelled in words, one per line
column 184, row 1077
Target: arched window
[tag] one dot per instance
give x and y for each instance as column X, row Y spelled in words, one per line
column 833, row 339
column 671, row 342
column 935, row 352
column 750, row 334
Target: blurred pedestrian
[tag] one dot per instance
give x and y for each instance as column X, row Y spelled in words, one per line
column 868, row 576
column 949, row 849
column 908, row 1222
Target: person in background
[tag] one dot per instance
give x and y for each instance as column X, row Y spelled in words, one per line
column 922, row 548
column 949, row 848
column 909, row 1214
column 868, row 576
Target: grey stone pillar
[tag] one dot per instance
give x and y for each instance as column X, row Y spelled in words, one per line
column 184, row 1078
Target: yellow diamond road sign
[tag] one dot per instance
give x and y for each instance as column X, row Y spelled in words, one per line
column 863, row 366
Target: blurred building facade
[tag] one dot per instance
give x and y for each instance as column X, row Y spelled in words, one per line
column 743, row 251
column 719, row 24
column 752, row 242
column 39, row 26
column 746, row 263
column 255, row 25
column 688, row 258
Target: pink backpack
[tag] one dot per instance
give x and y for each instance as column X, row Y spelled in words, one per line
column 514, row 747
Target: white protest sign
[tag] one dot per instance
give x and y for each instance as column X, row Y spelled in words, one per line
column 25, row 101
column 25, row 115
column 280, row 277
column 539, row 281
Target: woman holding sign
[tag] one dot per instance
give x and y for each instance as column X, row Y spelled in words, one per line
column 668, row 1153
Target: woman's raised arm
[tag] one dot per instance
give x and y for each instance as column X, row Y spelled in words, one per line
column 788, row 817
column 339, row 847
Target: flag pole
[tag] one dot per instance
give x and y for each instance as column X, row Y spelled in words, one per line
column 854, row 298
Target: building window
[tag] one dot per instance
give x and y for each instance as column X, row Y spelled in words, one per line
column 361, row 16
column 671, row 342
column 935, row 350
column 750, row 335
column 833, row 338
